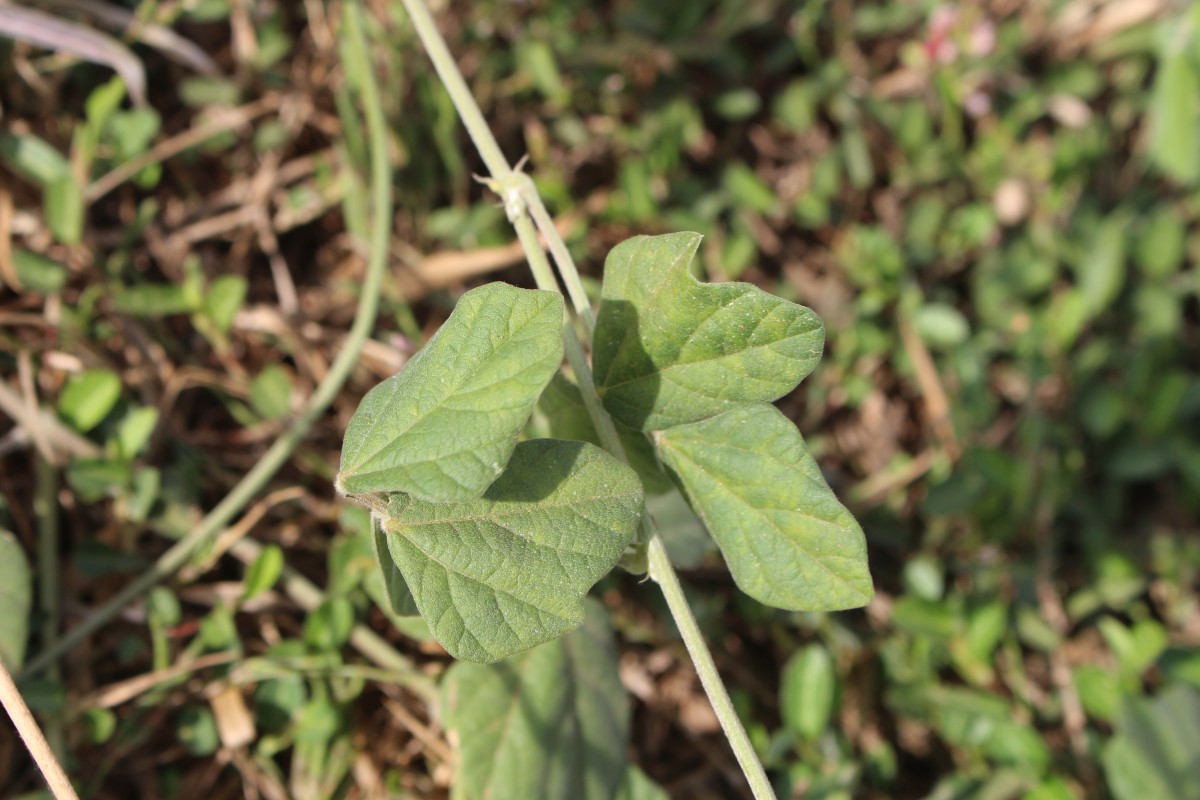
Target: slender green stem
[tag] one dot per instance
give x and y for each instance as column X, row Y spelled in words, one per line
column 520, row 199
column 562, row 256
column 279, row 452
column 452, row 79
column 664, row 575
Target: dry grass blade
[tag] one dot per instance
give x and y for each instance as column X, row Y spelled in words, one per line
column 31, row 734
column 48, row 31
column 163, row 39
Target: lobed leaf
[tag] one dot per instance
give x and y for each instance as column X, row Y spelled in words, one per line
column 670, row 350
column 551, row 723
column 787, row 540
column 443, row 428
column 498, row 575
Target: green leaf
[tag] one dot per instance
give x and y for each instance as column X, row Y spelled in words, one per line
column 681, row 530
column 64, row 207
column 132, row 131
column 88, row 398
column 748, row 190
column 551, row 723
column 225, row 296
column 568, row 418
column 639, row 786
column 152, row 300
column 1102, row 272
column 941, row 325
column 16, row 594
column 498, row 575
column 271, row 393
column 807, row 692
column 329, row 627
column 671, row 350
column 788, row 541
column 33, row 158
column 263, row 571
column 1157, row 746
column 443, row 428
column 197, row 730
column 399, row 598
column 1174, row 117
column 39, row 274
column 134, row 430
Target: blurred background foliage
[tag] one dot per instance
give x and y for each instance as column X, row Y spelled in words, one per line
column 993, row 206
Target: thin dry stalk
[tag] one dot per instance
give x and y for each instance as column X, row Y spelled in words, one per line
column 31, row 735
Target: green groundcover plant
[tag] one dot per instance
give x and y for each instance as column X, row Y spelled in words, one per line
column 496, row 540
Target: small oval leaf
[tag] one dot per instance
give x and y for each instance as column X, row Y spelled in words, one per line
column 807, row 692
column 263, row 571
column 88, row 397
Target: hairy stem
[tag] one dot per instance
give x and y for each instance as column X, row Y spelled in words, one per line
column 664, row 575
column 521, row 200
column 279, row 452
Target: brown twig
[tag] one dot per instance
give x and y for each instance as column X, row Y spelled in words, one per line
column 32, row 736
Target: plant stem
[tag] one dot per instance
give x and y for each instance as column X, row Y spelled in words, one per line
column 279, row 452
column 521, row 199
column 664, row 575
column 31, row 735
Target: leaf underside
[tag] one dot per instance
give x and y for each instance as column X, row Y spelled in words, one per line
column 443, row 428
column 509, row 571
column 551, row 723
column 394, row 589
column 787, row 540
column 670, row 350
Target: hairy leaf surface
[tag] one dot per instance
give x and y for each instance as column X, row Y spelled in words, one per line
column 443, row 427
column 498, row 575
column 551, row 723
column 671, row 350
column 787, row 540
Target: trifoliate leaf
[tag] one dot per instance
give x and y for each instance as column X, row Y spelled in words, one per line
column 443, row 428
column 551, row 723
column 787, row 540
column 671, row 350
column 498, row 575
